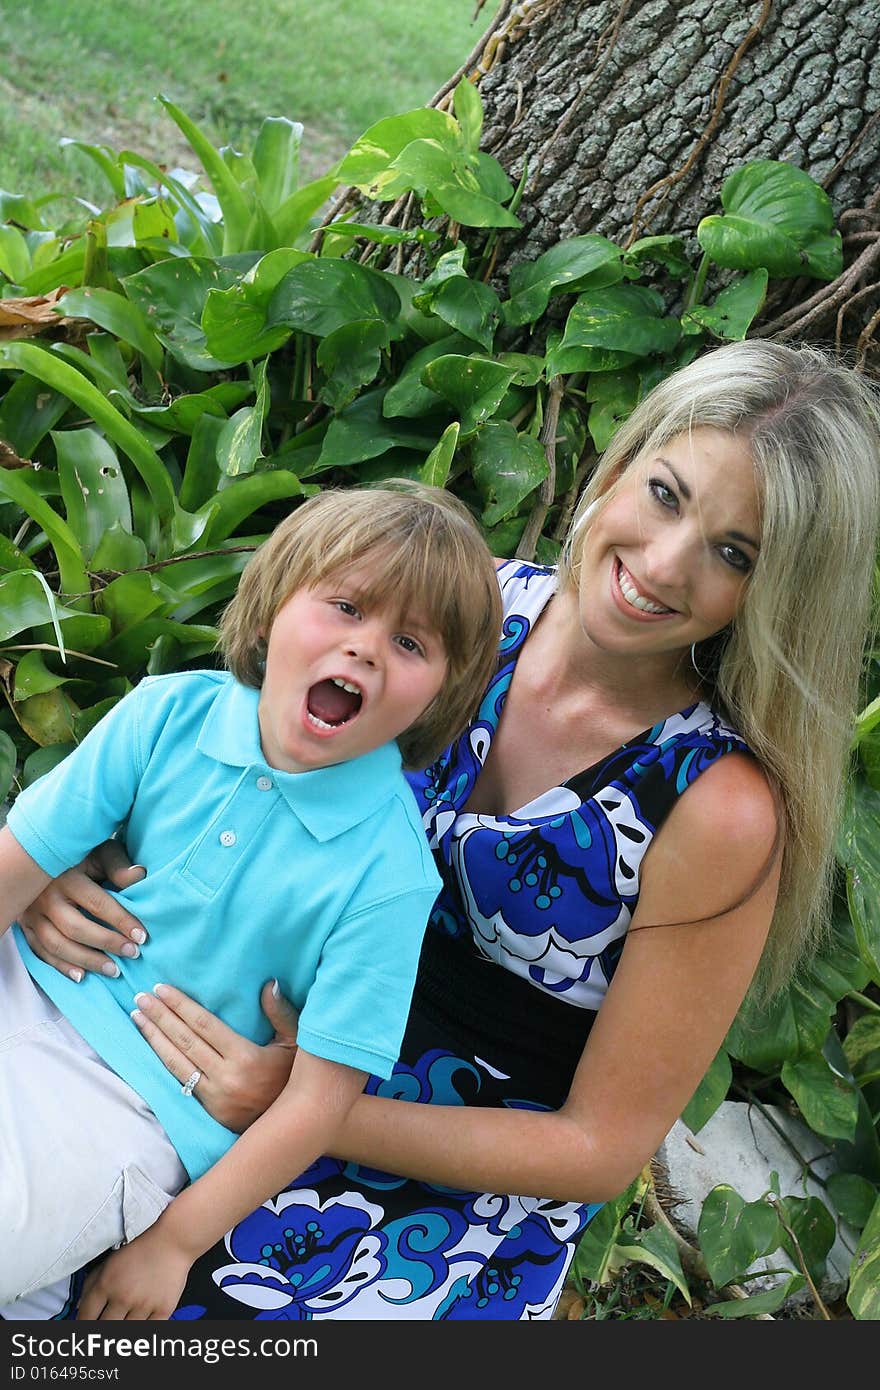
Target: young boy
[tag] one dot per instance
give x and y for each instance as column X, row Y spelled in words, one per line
column 270, row 809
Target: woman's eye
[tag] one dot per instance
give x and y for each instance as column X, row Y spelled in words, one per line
column 664, row 494
column 409, row 644
column 736, row 558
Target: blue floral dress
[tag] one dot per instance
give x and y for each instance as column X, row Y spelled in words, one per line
column 547, row 894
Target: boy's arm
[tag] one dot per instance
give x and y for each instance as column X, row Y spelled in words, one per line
column 145, row 1279
column 21, row 879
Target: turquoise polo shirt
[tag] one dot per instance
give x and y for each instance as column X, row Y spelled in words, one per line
column 323, row 879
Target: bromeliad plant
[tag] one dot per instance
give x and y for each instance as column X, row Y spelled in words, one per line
column 179, row 368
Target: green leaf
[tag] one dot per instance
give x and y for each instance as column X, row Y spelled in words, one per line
column 435, row 170
column 8, row 760
column 733, row 1234
column 73, row 576
column 105, row 159
column 92, row 485
column 859, row 851
column 667, row 251
column 292, row 218
column 709, row 1094
column 438, row 463
column 863, row 1041
column 359, row 432
column 14, row 207
column 614, row 396
column 15, row 260
column 276, row 160
column 776, row 217
column 33, row 677
column 474, row 386
column 64, row 378
column 367, row 164
column 731, row 315
column 234, row 320
column 624, row 318
column 595, row 1251
column 236, row 210
column 201, row 235
column 239, row 443
column 172, row 296
column 470, row 307
column 119, row 550
column 202, row 472
column 559, row 270
column 130, row 599
column 506, row 468
column 853, row 1197
column 119, row 316
column 468, row 110
column 797, row 1020
column 231, row 507
column 48, row 718
column 320, row 296
column 863, row 1294
column 751, row 1307
column 827, row 1100
column 351, row 357
column 28, row 412
column 655, row 1247
column 42, row 760
column 406, row 395
column 814, row 1231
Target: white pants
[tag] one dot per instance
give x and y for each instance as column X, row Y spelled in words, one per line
column 84, row 1163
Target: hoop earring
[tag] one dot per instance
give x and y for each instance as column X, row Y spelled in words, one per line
column 700, row 674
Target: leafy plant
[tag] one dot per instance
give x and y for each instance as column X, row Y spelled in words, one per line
column 180, row 367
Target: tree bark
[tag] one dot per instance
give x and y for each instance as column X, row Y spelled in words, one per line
column 603, row 99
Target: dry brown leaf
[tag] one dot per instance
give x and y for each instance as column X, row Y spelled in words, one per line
column 9, row 458
column 27, row 317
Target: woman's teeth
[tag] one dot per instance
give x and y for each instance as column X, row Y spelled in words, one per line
column 632, row 595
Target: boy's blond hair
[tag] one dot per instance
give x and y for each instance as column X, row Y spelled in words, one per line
column 429, row 558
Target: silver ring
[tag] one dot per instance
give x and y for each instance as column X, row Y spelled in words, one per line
column 191, row 1083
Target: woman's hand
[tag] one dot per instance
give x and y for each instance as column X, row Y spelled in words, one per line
column 238, row 1079
column 60, row 933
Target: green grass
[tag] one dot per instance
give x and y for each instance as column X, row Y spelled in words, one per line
column 91, row 69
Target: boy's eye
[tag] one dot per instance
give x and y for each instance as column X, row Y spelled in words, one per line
column 663, row 493
column 345, row 607
column 409, row 644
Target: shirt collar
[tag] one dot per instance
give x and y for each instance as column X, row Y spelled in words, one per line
column 328, row 800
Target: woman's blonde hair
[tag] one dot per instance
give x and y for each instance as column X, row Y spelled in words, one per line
column 426, row 555
column 787, row 670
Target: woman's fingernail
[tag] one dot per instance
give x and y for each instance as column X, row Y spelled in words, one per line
column 110, row 969
column 161, row 990
column 141, row 868
column 276, row 989
column 138, row 1018
column 75, row 975
column 141, row 999
column 139, row 935
column 130, row 950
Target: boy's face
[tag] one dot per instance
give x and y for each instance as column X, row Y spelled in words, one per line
column 341, row 678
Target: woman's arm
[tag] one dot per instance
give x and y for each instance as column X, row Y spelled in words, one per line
column 674, row 995
column 59, row 924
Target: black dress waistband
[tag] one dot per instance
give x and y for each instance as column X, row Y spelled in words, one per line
column 508, row 1022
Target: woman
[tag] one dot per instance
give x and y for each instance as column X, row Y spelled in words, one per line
column 661, row 752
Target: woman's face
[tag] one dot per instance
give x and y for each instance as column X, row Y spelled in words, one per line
column 668, row 555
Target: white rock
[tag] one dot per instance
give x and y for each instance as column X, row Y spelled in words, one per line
column 738, row 1146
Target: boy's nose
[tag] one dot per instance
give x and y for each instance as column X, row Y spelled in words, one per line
column 363, row 646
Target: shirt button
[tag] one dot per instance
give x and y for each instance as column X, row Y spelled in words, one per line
column 264, row 784
column 227, row 838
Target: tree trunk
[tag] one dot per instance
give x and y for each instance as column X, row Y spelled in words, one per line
column 602, row 100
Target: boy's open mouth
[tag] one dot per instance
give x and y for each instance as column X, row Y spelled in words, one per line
column 333, row 702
